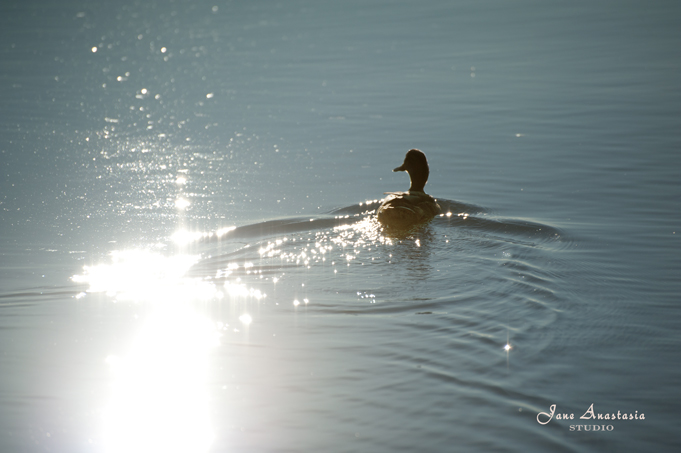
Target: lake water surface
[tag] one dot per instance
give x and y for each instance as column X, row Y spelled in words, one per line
column 189, row 257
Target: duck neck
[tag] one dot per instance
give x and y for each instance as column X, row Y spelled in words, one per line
column 417, row 183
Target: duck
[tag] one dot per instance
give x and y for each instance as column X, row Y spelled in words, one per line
column 407, row 209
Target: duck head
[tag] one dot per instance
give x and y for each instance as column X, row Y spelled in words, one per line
column 416, row 164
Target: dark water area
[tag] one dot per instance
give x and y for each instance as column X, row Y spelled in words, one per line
column 190, row 260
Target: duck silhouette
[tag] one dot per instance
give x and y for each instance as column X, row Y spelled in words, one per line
column 406, row 209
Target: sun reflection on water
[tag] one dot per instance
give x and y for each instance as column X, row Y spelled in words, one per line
column 159, row 398
column 145, row 276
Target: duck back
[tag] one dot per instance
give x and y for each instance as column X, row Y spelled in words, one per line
column 406, row 209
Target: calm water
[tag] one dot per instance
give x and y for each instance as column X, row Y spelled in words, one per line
column 189, row 261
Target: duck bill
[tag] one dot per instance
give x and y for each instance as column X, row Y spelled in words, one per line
column 400, row 168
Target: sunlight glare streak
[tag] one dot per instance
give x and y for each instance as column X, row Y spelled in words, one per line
column 159, row 399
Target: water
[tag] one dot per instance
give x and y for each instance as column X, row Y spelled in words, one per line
column 134, row 134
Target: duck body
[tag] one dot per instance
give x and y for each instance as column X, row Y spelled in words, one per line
column 407, row 209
